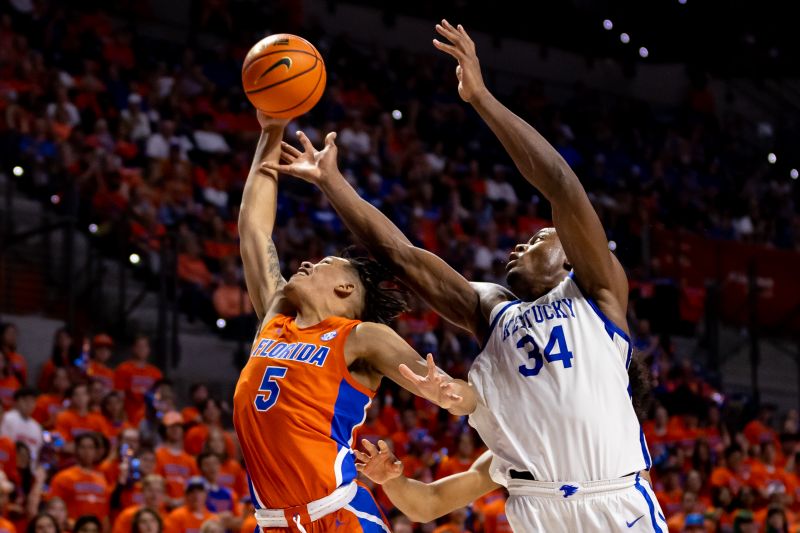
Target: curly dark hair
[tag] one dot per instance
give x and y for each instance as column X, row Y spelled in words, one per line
column 384, row 297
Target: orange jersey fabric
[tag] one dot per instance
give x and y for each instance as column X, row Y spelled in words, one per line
column 8, row 527
column 18, row 365
column 495, row 519
column 135, row 380
column 8, row 458
column 85, row 492
column 296, row 407
column 100, row 372
column 176, row 469
column 182, row 520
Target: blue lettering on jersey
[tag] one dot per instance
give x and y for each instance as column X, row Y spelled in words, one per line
column 562, row 308
column 303, row 352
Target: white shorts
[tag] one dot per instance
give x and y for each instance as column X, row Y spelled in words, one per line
column 626, row 505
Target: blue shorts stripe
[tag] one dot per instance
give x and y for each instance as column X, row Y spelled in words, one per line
column 650, row 505
column 364, row 506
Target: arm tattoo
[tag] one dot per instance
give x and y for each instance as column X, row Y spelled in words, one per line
column 274, row 266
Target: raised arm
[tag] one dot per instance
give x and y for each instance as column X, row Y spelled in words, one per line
column 597, row 270
column 424, row 502
column 262, row 270
column 444, row 289
column 387, row 354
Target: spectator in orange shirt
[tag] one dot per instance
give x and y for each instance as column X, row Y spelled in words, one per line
column 87, row 524
column 463, row 458
column 221, row 500
column 172, row 462
column 689, row 505
column 495, row 519
column 83, row 488
column 198, row 393
column 78, row 419
column 8, row 346
column 43, row 523
column 195, row 281
column 98, row 369
column 6, row 489
column 196, row 437
column 734, row 474
column 759, row 430
column 231, row 474
column 153, row 499
column 766, row 474
column 189, row 517
column 135, row 377
column 8, row 455
column 372, row 429
column 231, row 302
column 668, row 490
column 146, row 521
column 113, row 410
column 456, row 522
column 9, row 384
column 50, row 404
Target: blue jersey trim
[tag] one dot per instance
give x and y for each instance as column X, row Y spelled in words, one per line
column 496, row 320
column 645, row 452
column 650, row 505
column 349, row 412
column 365, row 503
column 252, row 489
column 611, row 327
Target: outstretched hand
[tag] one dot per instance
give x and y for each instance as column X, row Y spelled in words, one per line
column 436, row 386
column 378, row 464
column 311, row 165
column 468, row 71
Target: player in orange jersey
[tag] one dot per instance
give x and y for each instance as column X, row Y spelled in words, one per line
column 320, row 354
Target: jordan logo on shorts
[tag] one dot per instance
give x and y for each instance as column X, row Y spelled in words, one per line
column 569, row 490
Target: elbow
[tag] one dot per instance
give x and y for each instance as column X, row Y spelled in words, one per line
column 420, row 516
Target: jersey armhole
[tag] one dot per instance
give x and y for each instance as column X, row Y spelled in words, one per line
column 611, row 327
column 346, row 374
column 495, row 316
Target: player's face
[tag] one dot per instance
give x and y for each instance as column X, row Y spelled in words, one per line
column 322, row 279
column 540, row 259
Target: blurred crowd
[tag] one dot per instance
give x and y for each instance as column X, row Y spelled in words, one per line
column 148, row 144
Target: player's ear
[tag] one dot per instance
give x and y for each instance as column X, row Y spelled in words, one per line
column 345, row 289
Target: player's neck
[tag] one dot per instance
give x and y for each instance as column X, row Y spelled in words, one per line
column 307, row 317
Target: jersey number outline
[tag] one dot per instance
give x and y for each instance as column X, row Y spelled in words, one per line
column 270, row 385
column 556, row 340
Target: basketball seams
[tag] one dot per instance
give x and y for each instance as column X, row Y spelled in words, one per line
column 310, row 69
column 253, row 60
column 304, row 100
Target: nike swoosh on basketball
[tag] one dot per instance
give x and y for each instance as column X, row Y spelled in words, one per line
column 286, row 61
column 630, row 524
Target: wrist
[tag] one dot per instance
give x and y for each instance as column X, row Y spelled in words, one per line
column 394, row 482
column 481, row 97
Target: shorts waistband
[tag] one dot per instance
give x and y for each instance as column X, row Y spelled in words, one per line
column 315, row 510
column 568, row 489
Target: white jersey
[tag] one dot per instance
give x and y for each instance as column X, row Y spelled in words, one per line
column 554, row 393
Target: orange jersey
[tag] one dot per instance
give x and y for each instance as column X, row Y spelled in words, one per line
column 196, row 438
column 296, row 406
column 70, row 424
column 6, row 526
column 100, row 372
column 176, row 469
column 135, row 380
column 8, row 458
column 85, row 492
column 495, row 519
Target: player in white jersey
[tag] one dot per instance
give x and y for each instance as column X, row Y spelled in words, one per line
column 551, row 396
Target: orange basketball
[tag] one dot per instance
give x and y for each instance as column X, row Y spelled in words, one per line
column 283, row 75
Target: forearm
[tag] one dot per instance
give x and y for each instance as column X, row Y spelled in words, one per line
column 535, row 158
column 415, row 499
column 365, row 221
column 259, row 198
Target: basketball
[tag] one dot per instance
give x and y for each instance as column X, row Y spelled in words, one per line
column 283, row 75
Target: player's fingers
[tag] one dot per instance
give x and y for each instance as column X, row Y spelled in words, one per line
column 360, row 467
column 447, row 48
column 383, row 447
column 330, row 139
column 307, row 146
column 371, row 449
column 397, row 466
column 361, row 456
column 286, row 147
column 431, row 365
column 409, row 374
column 282, row 169
column 286, row 156
column 447, row 33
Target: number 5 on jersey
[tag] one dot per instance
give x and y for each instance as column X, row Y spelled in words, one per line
column 269, row 384
column 556, row 340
